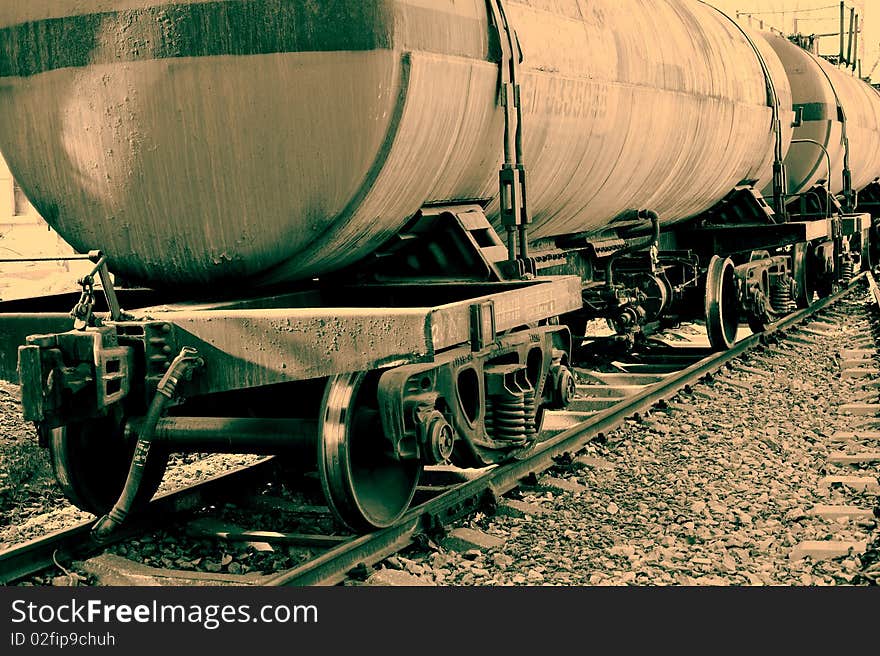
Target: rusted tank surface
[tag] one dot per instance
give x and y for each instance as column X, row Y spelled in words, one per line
column 818, row 88
column 243, row 142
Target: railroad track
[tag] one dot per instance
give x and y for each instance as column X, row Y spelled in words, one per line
column 606, row 399
column 41, row 553
column 851, row 480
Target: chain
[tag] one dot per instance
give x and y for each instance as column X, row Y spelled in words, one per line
column 82, row 311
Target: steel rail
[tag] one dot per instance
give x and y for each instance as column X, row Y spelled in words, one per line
column 40, row 553
column 333, row 566
column 872, row 286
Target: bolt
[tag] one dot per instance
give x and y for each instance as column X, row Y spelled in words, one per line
column 567, row 387
column 439, row 438
column 564, row 386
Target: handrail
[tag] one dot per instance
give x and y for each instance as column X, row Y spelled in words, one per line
column 827, row 177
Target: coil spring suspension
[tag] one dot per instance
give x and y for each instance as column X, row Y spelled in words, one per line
column 511, row 405
column 781, row 297
column 506, row 419
column 489, row 418
column 530, row 403
column 847, row 271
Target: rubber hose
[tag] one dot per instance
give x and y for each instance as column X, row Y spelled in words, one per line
column 182, row 365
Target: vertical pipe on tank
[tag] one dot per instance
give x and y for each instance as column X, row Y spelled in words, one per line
column 511, row 243
column 852, row 16
column 521, row 169
column 515, row 213
column 516, row 57
column 842, row 9
column 855, row 43
column 508, row 195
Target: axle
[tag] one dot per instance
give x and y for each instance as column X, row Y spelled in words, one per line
column 232, row 435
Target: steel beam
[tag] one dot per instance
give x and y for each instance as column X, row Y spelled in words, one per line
column 254, row 347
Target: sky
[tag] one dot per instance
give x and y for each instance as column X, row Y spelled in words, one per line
column 816, row 17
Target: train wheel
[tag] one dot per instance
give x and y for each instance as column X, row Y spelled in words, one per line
column 366, row 488
column 825, row 288
column 757, row 325
column 871, row 249
column 721, row 303
column 91, row 460
column 801, row 258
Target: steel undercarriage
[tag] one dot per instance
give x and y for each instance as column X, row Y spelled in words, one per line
column 397, row 377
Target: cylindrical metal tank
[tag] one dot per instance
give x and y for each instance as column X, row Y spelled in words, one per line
column 818, row 87
column 247, row 142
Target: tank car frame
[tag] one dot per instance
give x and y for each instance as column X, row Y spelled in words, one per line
column 369, row 379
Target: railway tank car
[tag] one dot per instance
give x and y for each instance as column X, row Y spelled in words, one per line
column 360, row 233
column 839, row 116
column 295, row 150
